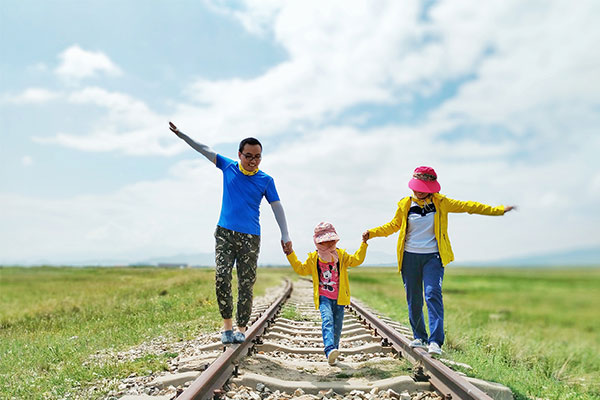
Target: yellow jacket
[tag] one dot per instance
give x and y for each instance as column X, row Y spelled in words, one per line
column 309, row 267
column 443, row 206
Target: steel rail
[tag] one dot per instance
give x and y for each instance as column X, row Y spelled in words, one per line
column 215, row 376
column 447, row 382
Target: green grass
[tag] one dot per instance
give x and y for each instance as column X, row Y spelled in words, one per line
column 534, row 330
column 291, row 313
column 52, row 320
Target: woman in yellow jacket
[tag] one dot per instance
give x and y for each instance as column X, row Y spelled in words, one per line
column 328, row 267
column 424, row 249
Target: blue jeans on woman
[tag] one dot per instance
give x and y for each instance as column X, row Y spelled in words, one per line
column 420, row 270
column 332, row 317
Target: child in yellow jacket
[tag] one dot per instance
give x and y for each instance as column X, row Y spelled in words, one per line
column 328, row 267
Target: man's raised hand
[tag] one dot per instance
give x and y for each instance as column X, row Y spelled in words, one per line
column 173, row 128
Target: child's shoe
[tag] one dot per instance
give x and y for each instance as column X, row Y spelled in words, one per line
column 332, row 356
column 227, row 337
column 434, row 349
column 239, row 337
column 420, row 343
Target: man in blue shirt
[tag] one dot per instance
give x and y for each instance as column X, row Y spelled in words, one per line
column 238, row 230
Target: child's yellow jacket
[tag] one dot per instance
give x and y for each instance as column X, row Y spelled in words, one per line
column 443, row 206
column 309, row 267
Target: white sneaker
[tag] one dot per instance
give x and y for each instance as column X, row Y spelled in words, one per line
column 418, row 343
column 434, row 349
column 332, row 357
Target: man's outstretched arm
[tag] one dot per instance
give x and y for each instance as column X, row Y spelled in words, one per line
column 199, row 147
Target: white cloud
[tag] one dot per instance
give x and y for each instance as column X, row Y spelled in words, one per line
column 129, row 126
column 514, row 57
column 349, row 177
column 135, row 223
column 256, row 15
column 339, row 57
column 520, row 129
column 77, row 63
column 31, row 96
column 539, row 64
column 522, row 78
column 355, row 178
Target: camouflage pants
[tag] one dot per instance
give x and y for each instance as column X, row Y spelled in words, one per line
column 242, row 249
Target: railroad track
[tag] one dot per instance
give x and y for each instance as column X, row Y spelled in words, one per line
column 283, row 358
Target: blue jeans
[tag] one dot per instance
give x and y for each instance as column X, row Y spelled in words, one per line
column 332, row 317
column 420, row 270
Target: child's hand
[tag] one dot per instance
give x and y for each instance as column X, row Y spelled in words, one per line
column 365, row 236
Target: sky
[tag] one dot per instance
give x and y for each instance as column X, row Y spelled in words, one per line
column 502, row 98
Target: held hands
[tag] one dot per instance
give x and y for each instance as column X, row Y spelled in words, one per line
column 287, row 247
column 365, row 236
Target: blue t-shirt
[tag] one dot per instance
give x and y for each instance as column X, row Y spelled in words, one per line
column 242, row 194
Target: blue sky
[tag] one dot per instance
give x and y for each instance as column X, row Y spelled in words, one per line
column 348, row 97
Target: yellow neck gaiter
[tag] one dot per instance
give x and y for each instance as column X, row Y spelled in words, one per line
column 247, row 173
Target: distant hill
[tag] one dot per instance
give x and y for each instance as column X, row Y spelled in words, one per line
column 194, row 259
column 208, row 259
column 585, row 257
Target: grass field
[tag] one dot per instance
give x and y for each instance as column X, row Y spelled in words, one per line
column 52, row 320
column 535, row 330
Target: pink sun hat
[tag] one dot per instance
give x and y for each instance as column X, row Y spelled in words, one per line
column 424, row 180
column 325, row 232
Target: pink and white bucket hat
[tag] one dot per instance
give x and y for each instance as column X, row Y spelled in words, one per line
column 424, row 180
column 325, row 232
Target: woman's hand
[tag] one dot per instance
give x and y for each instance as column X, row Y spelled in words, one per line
column 365, row 236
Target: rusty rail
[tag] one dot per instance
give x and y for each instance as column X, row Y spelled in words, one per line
column 215, row 376
column 445, row 381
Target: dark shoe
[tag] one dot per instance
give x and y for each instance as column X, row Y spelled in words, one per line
column 239, row 337
column 227, row 337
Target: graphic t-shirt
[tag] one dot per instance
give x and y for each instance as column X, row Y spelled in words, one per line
column 420, row 237
column 242, row 194
column 329, row 279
